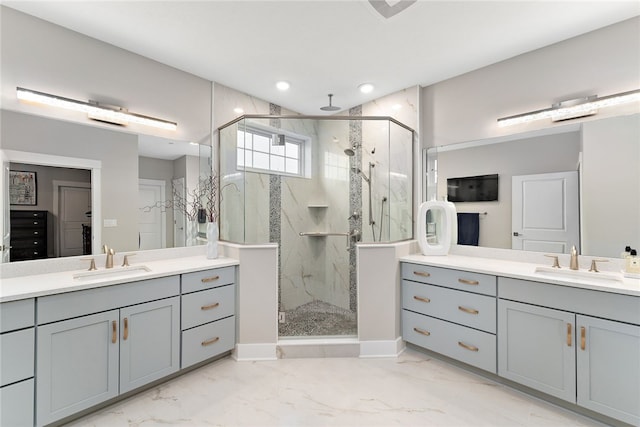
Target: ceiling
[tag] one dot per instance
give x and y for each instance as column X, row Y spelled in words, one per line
column 323, row 47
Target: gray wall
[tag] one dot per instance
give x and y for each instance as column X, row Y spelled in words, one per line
column 466, row 107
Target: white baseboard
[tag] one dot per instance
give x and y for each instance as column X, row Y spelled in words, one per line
column 250, row 352
column 388, row 348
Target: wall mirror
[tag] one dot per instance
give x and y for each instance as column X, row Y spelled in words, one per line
column 115, row 184
column 604, row 157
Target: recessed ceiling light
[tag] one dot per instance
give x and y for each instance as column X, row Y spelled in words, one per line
column 282, row 85
column 238, row 110
column 366, row 88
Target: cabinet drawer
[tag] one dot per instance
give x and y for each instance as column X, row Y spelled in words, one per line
column 17, row 350
column 208, row 340
column 473, row 310
column 206, row 306
column 200, row 280
column 16, row 404
column 467, row 345
column 456, row 279
column 17, row 314
column 74, row 304
column 15, row 214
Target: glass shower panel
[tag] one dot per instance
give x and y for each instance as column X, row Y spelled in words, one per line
column 316, row 187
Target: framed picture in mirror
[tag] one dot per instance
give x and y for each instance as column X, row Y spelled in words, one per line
column 22, row 188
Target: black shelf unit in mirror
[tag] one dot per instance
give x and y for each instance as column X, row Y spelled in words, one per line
column 482, row 188
column 28, row 235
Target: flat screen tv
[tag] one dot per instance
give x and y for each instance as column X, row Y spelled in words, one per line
column 483, row 188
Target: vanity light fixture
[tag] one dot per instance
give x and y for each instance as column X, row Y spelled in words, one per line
column 96, row 111
column 573, row 109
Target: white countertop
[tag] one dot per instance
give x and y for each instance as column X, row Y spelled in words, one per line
column 38, row 285
column 527, row 271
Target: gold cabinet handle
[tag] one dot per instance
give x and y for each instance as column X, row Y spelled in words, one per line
column 467, row 346
column 422, row 273
column 125, row 334
column 469, row 282
column 422, row 331
column 211, row 341
column 210, row 306
column 583, row 338
column 468, row 310
column 114, row 332
column 569, row 335
column 209, row 279
column 421, row 299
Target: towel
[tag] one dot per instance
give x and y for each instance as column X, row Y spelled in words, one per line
column 468, row 228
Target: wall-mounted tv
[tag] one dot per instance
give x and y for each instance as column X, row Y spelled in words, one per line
column 483, row 188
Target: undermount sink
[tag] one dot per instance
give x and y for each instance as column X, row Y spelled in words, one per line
column 113, row 273
column 580, row 275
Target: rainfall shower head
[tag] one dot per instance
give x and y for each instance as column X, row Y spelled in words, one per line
column 330, row 107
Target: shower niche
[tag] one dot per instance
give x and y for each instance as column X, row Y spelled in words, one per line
column 316, row 186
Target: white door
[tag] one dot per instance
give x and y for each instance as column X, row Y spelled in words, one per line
column 4, row 210
column 151, row 214
column 545, row 212
column 75, row 202
column 179, row 220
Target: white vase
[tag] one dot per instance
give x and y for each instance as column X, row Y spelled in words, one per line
column 212, row 240
column 191, row 235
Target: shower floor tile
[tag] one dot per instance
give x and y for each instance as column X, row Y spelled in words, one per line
column 318, row 318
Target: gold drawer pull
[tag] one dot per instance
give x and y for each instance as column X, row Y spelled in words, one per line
column 209, row 279
column 468, row 310
column 210, row 306
column 422, row 273
column 421, row 299
column 583, row 338
column 467, row 346
column 114, row 332
column 125, row 334
column 211, row 341
column 422, row 331
column 469, row 282
column 569, row 335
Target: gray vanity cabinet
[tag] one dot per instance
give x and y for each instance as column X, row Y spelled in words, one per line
column 208, row 314
column 17, row 342
column 77, row 364
column 580, row 345
column 112, row 339
column 608, row 367
column 536, row 347
column 450, row 312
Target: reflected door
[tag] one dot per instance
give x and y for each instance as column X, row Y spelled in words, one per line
column 75, row 203
column 151, row 215
column 545, row 212
column 179, row 220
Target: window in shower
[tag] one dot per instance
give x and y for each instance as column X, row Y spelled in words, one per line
column 271, row 150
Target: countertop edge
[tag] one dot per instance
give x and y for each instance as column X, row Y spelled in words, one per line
column 160, row 269
column 511, row 269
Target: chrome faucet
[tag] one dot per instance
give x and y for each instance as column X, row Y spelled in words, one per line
column 110, row 252
column 573, row 264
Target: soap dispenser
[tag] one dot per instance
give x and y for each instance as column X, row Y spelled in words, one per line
column 632, row 262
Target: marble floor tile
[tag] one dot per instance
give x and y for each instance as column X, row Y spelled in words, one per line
column 412, row 390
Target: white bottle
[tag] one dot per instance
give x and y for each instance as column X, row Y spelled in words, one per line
column 632, row 263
